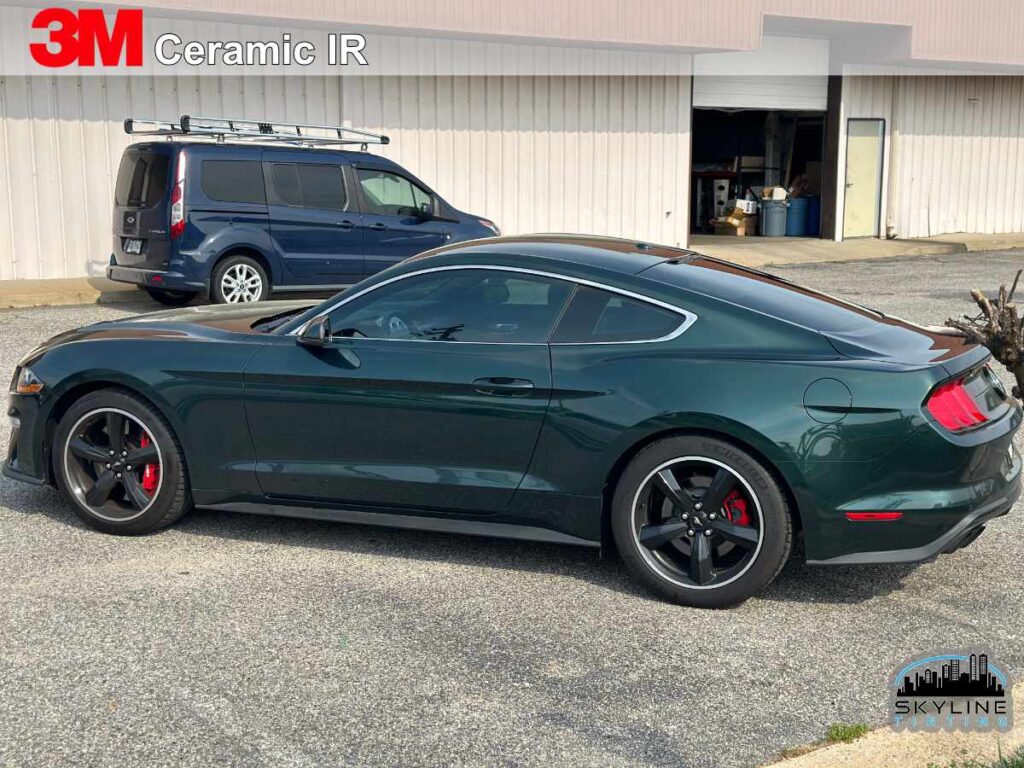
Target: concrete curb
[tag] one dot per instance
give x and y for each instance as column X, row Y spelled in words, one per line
column 886, row 748
column 19, row 294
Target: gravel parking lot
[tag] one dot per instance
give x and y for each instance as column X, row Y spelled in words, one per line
column 243, row 640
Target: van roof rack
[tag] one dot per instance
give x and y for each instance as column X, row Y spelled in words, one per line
column 260, row 131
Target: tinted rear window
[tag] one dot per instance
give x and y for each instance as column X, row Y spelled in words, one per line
column 141, row 179
column 594, row 316
column 767, row 294
column 234, row 181
column 305, row 185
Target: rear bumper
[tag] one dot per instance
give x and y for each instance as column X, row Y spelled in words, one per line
column 959, row 536
column 151, row 278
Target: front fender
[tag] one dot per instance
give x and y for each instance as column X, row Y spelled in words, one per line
column 195, row 385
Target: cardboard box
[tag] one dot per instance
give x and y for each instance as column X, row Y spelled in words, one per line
column 747, row 206
column 774, row 193
column 746, row 228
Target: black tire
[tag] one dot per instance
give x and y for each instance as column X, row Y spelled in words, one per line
column 170, row 298
column 220, row 292
column 167, row 501
column 755, row 566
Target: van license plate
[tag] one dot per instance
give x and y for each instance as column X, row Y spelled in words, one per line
column 133, row 246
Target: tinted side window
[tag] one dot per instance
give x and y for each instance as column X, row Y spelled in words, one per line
column 388, row 194
column 233, row 181
column 602, row 316
column 304, row 185
column 457, row 305
column 141, row 179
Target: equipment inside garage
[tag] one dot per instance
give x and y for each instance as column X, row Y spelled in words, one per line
column 757, row 172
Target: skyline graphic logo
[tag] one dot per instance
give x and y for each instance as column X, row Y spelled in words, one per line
column 956, row 691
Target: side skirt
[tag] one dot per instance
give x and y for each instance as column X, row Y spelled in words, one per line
column 413, row 522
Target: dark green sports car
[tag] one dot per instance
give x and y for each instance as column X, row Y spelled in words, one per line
column 690, row 413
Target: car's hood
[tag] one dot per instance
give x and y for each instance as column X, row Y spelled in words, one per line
column 239, row 318
column 197, row 322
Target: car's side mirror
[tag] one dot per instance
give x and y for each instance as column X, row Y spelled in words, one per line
column 316, row 333
column 425, row 211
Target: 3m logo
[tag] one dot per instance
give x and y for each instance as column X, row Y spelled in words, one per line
column 76, row 38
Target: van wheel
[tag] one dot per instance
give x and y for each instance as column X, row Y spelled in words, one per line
column 239, row 280
column 170, row 298
column 701, row 522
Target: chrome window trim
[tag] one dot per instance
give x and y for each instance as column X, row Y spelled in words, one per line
column 689, row 318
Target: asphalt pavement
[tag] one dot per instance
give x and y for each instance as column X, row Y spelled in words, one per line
column 244, row 640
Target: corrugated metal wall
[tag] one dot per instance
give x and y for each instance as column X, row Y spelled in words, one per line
column 607, row 155
column 957, row 161
column 954, row 151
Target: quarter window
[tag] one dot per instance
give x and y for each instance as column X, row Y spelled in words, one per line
column 306, row 185
column 476, row 305
column 596, row 316
column 388, row 194
column 233, row 181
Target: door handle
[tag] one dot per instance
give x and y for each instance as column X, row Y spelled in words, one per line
column 503, row 385
column 378, row 227
column 346, row 224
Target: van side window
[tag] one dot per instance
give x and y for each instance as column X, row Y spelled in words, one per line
column 233, row 181
column 388, row 194
column 305, row 185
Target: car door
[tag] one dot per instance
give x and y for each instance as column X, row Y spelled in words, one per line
column 399, row 215
column 430, row 395
column 314, row 220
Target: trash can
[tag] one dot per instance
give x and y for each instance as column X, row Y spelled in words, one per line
column 773, row 218
column 814, row 216
column 796, row 219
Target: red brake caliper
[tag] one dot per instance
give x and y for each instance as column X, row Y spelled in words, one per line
column 735, row 507
column 151, row 472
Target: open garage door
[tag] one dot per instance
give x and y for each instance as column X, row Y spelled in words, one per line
column 786, row 73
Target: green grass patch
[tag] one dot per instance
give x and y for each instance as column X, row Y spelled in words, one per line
column 845, row 732
column 1014, row 760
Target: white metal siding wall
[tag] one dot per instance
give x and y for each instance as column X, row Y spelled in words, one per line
column 604, row 155
column 954, row 153
column 958, row 155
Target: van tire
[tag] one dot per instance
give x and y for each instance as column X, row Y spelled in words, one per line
column 170, row 298
column 256, row 283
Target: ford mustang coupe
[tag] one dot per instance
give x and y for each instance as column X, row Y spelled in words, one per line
column 692, row 414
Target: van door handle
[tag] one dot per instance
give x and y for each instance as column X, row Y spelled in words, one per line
column 346, row 224
column 503, row 385
column 378, row 227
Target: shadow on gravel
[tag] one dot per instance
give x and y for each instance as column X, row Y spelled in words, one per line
column 798, row 582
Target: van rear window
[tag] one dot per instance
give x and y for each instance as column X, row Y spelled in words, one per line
column 233, row 181
column 141, row 179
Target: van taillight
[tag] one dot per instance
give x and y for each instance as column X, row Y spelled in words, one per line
column 954, row 408
column 178, row 199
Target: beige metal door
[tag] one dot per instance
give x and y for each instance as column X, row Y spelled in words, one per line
column 864, row 148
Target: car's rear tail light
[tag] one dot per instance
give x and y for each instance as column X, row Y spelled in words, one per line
column 954, row 408
column 178, row 199
column 872, row 517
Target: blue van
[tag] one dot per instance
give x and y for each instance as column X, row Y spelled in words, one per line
column 235, row 221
